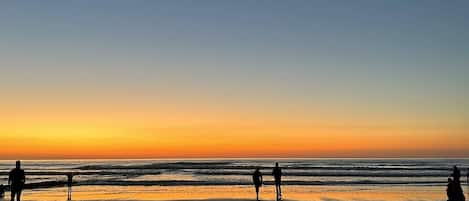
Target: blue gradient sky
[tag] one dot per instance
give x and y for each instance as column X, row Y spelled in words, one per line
column 352, row 64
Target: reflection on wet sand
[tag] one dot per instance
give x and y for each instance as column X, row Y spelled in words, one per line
column 240, row 193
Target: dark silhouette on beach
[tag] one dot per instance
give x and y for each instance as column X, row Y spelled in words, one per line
column 2, row 191
column 16, row 179
column 69, row 184
column 454, row 190
column 277, row 173
column 450, row 189
column 257, row 179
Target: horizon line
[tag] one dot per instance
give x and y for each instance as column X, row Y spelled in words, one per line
column 232, row 158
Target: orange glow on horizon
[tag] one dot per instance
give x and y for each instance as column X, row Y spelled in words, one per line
column 226, row 140
column 213, row 79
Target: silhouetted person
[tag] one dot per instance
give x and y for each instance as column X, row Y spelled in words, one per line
column 450, row 189
column 456, row 174
column 454, row 190
column 69, row 184
column 16, row 179
column 257, row 179
column 2, row 191
column 277, row 173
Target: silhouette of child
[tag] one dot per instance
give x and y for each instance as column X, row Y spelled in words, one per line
column 69, row 184
column 2, row 191
column 257, row 179
column 450, row 189
column 454, row 191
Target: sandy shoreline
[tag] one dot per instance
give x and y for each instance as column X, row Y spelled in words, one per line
column 238, row 193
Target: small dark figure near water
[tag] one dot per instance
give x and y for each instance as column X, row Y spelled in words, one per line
column 454, row 190
column 450, row 189
column 277, row 173
column 69, row 184
column 16, row 179
column 2, row 191
column 257, row 179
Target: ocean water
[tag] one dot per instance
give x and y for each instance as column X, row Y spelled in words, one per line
column 178, row 179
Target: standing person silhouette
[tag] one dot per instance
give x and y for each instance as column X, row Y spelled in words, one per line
column 455, row 192
column 69, row 184
column 257, row 179
column 16, row 179
column 277, row 173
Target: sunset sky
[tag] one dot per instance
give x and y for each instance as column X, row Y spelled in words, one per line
column 163, row 79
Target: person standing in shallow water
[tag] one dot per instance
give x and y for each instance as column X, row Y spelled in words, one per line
column 257, row 179
column 16, row 179
column 277, row 173
column 69, row 184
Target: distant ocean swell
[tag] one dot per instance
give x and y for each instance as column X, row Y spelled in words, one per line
column 431, row 172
